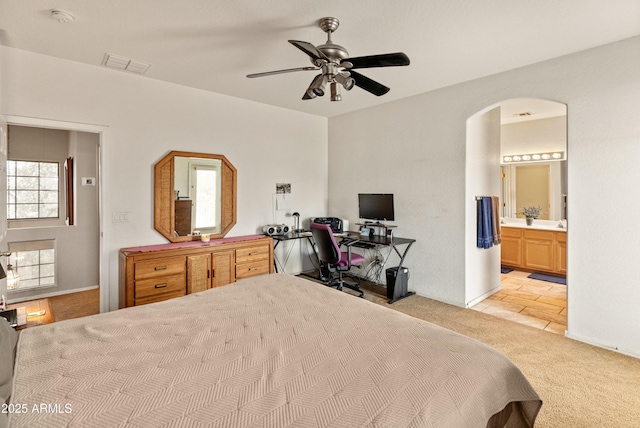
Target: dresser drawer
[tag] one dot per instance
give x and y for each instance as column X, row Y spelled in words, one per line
column 158, row 298
column 252, row 254
column 159, row 267
column 151, row 287
column 245, row 270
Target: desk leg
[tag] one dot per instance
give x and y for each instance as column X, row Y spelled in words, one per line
column 275, row 260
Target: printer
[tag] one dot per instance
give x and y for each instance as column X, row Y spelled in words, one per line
column 333, row 222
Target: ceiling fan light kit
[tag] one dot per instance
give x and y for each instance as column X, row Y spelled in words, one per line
column 337, row 67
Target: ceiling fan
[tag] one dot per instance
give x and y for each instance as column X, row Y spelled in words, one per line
column 336, row 66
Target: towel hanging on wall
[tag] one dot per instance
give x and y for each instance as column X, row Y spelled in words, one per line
column 488, row 229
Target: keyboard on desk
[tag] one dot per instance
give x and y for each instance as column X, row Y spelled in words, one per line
column 361, row 244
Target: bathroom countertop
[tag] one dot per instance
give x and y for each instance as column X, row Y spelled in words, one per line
column 539, row 226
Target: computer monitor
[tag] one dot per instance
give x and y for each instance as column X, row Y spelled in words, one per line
column 376, row 206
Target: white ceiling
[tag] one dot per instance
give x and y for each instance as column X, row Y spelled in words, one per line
column 214, row 44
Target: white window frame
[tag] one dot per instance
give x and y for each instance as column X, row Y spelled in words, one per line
column 15, row 248
column 62, row 197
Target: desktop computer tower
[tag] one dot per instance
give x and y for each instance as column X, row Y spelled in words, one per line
column 397, row 282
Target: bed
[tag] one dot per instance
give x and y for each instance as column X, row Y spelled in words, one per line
column 269, row 351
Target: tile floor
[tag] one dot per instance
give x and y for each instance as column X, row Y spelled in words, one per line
column 538, row 304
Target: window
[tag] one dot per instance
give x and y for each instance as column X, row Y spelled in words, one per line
column 205, row 190
column 32, row 190
column 33, row 263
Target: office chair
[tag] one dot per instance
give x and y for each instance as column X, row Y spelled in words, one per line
column 335, row 260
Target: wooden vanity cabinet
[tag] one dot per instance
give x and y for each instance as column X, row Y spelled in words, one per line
column 534, row 250
column 538, row 250
column 155, row 273
column 511, row 247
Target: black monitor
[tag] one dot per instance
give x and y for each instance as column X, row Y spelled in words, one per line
column 376, row 206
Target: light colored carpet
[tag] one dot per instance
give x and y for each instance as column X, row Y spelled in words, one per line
column 580, row 385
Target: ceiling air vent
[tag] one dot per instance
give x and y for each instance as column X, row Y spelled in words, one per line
column 126, row 64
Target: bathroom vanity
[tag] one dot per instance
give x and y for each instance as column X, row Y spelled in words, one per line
column 534, row 248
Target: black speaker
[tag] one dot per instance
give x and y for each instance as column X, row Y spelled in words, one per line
column 397, row 282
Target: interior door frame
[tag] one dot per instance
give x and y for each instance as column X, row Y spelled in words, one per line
column 103, row 132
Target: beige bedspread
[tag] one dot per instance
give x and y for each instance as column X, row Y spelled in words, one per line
column 269, row 351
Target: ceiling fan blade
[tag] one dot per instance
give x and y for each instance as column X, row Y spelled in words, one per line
column 384, row 60
column 286, row 70
column 369, row 85
column 309, row 49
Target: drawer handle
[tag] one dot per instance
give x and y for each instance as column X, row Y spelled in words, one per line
column 160, row 268
column 160, row 285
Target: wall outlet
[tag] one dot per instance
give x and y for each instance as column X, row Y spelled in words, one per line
column 88, row 181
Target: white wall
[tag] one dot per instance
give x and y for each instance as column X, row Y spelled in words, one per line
column 415, row 148
column 535, row 136
column 482, row 266
column 147, row 118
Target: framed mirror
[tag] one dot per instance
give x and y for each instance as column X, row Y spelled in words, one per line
column 194, row 194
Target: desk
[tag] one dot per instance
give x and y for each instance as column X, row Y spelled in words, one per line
column 277, row 239
column 364, row 242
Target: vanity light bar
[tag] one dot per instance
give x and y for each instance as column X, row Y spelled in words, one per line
column 534, row 157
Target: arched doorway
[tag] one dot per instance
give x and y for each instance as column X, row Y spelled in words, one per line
column 517, row 150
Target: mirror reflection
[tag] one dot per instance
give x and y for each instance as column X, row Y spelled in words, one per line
column 533, row 150
column 198, row 192
column 541, row 184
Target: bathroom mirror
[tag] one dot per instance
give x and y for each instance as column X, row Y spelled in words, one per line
column 194, row 194
column 540, row 184
column 533, row 157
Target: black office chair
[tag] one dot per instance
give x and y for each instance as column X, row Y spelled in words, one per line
column 333, row 259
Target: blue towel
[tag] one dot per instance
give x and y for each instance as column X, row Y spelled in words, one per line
column 485, row 222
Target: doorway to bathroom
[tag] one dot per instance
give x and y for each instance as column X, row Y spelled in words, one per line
column 531, row 151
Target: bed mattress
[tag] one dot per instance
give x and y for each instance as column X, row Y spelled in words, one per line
column 268, row 351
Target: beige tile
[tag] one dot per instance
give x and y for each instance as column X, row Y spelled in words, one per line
column 556, row 328
column 519, row 318
column 512, row 307
column 498, row 296
column 533, row 304
column 535, row 287
column 545, row 315
column 481, row 306
column 522, row 295
column 553, row 301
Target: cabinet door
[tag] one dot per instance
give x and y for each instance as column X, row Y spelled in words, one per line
column 511, row 247
column 511, row 251
column 561, row 253
column 198, row 273
column 539, row 250
column 222, row 264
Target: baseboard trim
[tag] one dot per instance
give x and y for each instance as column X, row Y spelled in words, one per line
column 600, row 345
column 53, row 294
column 484, row 296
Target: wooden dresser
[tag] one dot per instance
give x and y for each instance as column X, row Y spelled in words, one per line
column 159, row 272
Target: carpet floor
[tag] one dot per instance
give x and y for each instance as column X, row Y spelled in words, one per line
column 581, row 385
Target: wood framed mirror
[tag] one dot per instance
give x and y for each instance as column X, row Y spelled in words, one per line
column 194, row 194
